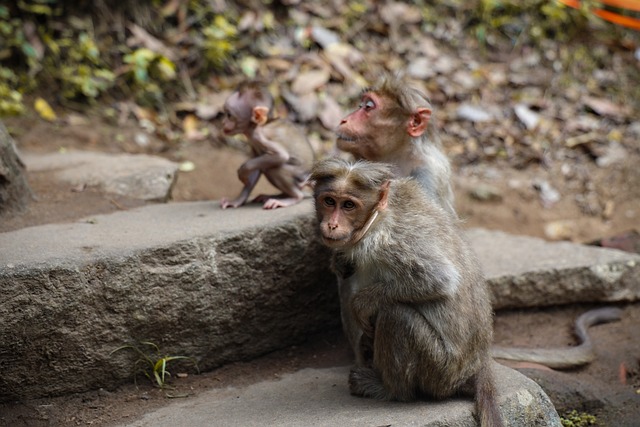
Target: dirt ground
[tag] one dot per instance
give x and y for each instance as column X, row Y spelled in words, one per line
column 608, row 388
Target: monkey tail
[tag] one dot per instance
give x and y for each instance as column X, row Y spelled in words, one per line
column 487, row 408
column 563, row 358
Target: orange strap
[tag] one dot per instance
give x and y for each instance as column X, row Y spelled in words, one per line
column 616, row 18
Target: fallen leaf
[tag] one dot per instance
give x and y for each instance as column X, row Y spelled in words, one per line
column 485, row 193
column 330, row 113
column 187, row 166
column 305, row 106
column 560, row 230
column 604, row 107
column 473, row 113
column 308, row 81
column 44, row 110
column 529, row 118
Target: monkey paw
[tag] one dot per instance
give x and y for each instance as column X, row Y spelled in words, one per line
column 365, row 381
column 225, row 203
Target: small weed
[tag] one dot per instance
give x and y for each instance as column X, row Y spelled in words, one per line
column 151, row 363
column 574, row 419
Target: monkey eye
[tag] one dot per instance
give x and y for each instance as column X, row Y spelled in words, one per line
column 348, row 205
column 367, row 104
column 329, row 201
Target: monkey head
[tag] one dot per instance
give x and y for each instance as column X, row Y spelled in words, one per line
column 388, row 117
column 245, row 109
column 348, row 198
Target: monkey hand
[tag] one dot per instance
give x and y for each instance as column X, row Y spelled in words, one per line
column 226, row 203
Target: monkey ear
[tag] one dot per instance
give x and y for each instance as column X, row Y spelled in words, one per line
column 384, row 195
column 418, row 122
column 259, row 115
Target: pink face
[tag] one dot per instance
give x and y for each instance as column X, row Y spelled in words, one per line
column 364, row 132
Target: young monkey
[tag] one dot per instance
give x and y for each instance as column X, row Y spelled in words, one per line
column 424, row 305
column 279, row 149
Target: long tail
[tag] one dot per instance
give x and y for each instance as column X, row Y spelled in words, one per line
column 562, row 358
column 486, row 400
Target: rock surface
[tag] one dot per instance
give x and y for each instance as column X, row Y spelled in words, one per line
column 219, row 286
column 137, row 176
column 14, row 189
column 530, row 272
column 320, row 397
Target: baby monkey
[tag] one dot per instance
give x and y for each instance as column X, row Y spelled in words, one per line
column 424, row 306
column 279, row 149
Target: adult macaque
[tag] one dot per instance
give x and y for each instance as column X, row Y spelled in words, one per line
column 424, row 306
column 279, row 150
column 391, row 125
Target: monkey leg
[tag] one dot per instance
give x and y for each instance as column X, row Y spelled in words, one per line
column 285, row 179
column 397, row 352
column 394, row 374
column 347, row 287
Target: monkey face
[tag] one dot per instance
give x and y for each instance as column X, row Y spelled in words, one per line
column 372, row 131
column 340, row 216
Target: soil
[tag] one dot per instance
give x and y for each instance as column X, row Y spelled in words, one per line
column 513, row 205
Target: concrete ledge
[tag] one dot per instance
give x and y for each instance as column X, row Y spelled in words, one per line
column 529, row 272
column 219, row 286
column 196, row 281
column 320, row 397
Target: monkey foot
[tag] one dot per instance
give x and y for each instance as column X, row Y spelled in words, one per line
column 365, row 382
column 280, row 203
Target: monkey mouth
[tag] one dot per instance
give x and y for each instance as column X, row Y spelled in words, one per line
column 343, row 137
column 334, row 242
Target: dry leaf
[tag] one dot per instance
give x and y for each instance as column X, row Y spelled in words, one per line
column 330, row 113
column 604, row 107
column 529, row 118
column 44, row 110
column 308, row 81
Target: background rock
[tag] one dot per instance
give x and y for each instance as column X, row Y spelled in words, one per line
column 138, row 176
column 14, row 189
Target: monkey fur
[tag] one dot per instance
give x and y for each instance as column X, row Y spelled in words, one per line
column 425, row 308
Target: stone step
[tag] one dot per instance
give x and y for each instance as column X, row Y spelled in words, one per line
column 220, row 286
column 320, row 397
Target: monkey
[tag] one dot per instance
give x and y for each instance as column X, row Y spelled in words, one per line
column 391, row 125
column 424, row 307
column 279, row 149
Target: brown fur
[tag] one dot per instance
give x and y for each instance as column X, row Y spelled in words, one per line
column 424, row 308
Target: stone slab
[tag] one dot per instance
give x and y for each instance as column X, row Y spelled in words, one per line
column 220, row 286
column 320, row 397
column 526, row 271
column 138, row 176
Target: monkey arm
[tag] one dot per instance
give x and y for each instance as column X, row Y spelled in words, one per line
column 269, row 154
column 249, row 182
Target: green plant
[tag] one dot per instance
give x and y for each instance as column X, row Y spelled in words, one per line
column 10, row 99
column 218, row 42
column 151, row 363
column 574, row 419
